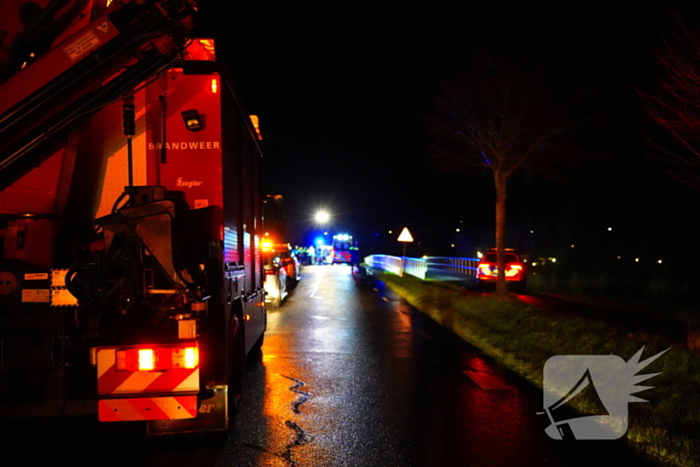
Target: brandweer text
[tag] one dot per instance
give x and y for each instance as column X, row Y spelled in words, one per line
column 186, row 145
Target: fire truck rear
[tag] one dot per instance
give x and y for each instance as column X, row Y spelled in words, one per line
column 130, row 273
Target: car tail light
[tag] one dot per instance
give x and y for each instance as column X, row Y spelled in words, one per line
column 158, row 358
column 514, row 270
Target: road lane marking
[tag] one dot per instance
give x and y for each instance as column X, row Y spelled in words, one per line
column 313, row 293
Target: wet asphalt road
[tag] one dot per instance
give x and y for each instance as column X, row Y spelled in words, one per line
column 348, row 376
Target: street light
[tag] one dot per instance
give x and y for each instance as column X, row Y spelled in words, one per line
column 322, row 217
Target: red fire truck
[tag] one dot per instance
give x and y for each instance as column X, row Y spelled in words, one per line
column 130, row 209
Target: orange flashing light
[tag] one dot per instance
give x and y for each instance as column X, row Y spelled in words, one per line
column 191, row 357
column 266, row 245
column 208, row 45
column 256, row 124
column 214, row 86
column 201, row 50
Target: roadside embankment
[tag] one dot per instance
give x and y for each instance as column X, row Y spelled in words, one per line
column 523, row 337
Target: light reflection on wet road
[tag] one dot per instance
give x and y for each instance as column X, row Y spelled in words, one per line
column 350, row 376
column 386, row 387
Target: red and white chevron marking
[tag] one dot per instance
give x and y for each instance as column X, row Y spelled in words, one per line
column 147, row 408
column 111, row 381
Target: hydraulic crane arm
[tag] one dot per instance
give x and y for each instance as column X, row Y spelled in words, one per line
column 90, row 69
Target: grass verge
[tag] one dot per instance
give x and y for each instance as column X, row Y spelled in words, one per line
column 523, row 338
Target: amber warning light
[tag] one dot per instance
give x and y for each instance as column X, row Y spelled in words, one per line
column 256, row 124
column 266, row 245
column 157, row 358
column 200, row 50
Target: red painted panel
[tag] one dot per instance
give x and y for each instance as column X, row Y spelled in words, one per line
column 147, row 408
column 36, row 191
column 57, row 61
column 192, row 158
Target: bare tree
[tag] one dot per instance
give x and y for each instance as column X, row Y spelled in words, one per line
column 502, row 116
column 675, row 103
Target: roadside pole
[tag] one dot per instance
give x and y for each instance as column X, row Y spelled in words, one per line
column 404, row 238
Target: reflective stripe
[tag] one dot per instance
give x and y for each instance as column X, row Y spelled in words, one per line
column 110, row 381
column 147, row 408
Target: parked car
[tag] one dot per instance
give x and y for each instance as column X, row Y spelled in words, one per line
column 515, row 271
column 275, row 283
column 288, row 260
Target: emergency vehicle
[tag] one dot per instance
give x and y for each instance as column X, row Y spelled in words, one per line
column 130, row 209
column 276, row 280
column 344, row 250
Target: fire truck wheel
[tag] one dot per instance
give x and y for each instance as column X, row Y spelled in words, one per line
column 236, row 372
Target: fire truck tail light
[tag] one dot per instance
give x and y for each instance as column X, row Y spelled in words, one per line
column 214, row 86
column 191, row 357
column 158, row 358
column 147, row 360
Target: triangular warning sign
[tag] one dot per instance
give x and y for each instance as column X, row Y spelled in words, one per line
column 103, row 27
column 405, row 235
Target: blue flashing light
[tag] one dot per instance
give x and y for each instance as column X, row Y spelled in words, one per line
column 319, row 241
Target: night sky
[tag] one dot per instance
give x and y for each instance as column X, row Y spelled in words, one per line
column 342, row 93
